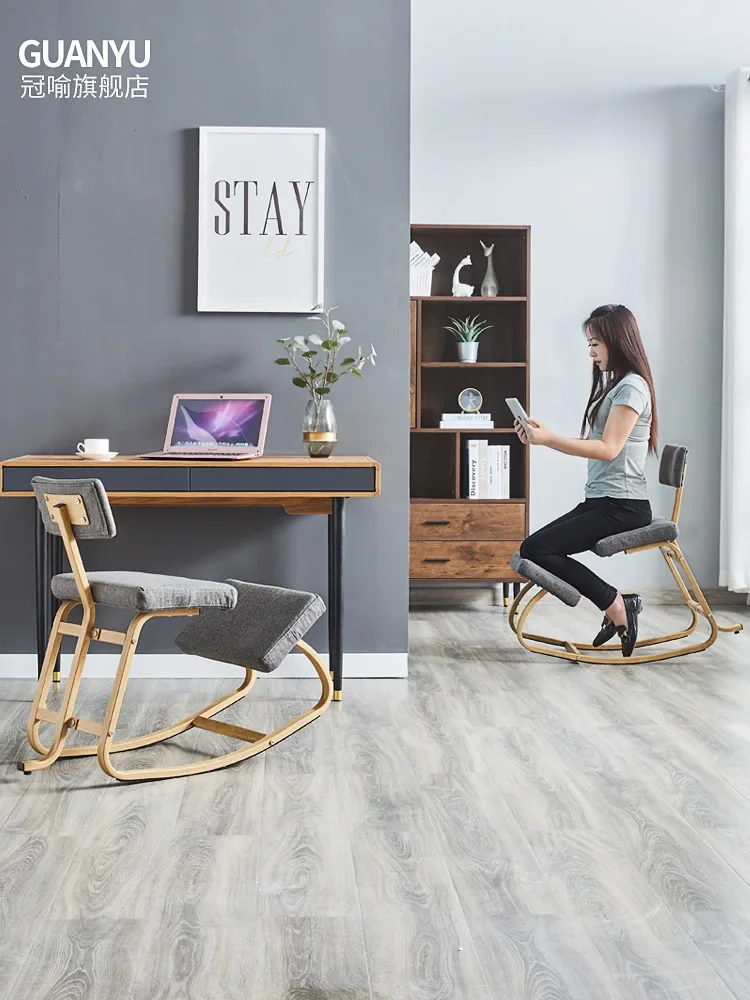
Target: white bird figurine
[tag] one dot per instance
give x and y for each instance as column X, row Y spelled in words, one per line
column 459, row 289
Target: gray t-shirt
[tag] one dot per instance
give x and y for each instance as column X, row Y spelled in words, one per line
column 624, row 477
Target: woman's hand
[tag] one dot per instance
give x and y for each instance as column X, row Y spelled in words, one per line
column 537, row 433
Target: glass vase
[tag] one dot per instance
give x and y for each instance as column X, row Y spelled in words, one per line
column 319, row 429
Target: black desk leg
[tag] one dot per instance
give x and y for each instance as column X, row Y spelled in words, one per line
column 48, row 561
column 336, row 594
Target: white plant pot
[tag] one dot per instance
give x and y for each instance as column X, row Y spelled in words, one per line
column 467, row 351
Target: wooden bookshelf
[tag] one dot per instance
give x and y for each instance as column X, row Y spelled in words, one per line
column 453, row 538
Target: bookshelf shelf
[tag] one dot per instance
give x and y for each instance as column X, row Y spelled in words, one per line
column 474, row 538
column 469, row 298
column 463, row 500
column 473, row 364
column 463, row 430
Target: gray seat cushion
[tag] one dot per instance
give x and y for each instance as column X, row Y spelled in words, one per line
column 147, row 591
column 660, row 530
column 547, row 581
column 258, row 633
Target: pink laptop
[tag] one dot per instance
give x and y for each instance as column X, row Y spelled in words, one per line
column 230, row 425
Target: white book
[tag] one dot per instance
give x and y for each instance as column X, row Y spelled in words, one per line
column 472, row 448
column 496, row 473
column 415, row 251
column 458, row 425
column 476, row 417
column 483, row 470
column 491, row 473
column 505, row 472
column 422, row 258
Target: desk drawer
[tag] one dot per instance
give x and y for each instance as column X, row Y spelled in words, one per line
column 280, row 479
column 455, row 521
column 469, row 560
column 116, row 478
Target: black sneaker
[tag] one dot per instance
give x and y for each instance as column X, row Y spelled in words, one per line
column 609, row 629
column 629, row 633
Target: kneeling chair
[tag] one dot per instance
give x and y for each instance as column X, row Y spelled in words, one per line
column 659, row 534
column 250, row 625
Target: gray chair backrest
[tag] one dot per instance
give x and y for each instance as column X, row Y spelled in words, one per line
column 101, row 520
column 265, row 625
column 672, row 465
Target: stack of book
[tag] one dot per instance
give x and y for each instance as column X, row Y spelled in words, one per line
column 488, row 471
column 421, row 266
column 462, row 421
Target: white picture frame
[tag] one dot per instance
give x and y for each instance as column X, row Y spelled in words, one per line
column 261, row 219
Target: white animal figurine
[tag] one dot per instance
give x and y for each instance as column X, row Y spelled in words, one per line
column 459, row 289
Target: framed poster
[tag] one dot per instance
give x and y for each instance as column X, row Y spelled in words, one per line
column 261, row 219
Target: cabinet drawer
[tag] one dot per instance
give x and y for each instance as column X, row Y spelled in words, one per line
column 455, row 521
column 462, row 560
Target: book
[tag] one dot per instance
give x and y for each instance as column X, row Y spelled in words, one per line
column 493, row 486
column 463, row 424
column 498, row 481
column 483, row 473
column 421, row 266
column 472, row 450
column 487, row 470
column 476, row 417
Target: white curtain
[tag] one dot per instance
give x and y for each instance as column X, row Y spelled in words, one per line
column 734, row 564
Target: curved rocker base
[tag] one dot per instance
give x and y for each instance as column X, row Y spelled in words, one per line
column 579, row 652
column 64, row 720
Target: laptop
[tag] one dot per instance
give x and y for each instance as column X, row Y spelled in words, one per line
column 229, row 425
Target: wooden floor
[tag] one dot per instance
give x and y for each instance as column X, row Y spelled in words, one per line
column 498, row 827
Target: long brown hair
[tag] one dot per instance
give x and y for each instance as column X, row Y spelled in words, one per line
column 615, row 326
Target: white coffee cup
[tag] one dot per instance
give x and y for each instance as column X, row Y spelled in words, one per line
column 93, row 446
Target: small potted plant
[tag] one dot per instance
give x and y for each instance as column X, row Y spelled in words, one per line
column 467, row 332
column 315, row 361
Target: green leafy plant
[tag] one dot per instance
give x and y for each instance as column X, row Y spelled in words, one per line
column 315, row 358
column 468, row 330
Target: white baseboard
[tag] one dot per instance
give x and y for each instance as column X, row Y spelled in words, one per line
column 179, row 665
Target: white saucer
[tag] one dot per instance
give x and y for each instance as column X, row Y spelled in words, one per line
column 91, row 456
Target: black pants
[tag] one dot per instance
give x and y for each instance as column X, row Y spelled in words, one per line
column 578, row 531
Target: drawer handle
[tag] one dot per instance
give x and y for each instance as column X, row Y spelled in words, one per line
column 436, row 560
column 435, row 522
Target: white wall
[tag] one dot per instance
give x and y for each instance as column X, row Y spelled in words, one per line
column 623, row 192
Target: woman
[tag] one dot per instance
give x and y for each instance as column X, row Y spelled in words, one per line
column 622, row 429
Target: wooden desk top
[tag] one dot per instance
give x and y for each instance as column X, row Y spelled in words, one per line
column 131, row 461
column 300, row 484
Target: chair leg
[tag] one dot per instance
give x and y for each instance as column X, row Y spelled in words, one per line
column 62, row 717
column 45, row 678
column 705, row 607
column 578, row 652
column 256, row 742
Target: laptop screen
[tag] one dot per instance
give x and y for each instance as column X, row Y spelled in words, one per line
column 217, row 422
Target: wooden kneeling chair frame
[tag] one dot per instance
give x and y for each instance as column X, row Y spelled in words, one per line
column 64, row 720
column 578, row 652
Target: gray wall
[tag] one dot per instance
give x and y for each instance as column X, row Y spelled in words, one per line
column 624, row 194
column 98, row 268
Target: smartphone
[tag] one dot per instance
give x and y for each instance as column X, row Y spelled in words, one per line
column 517, row 410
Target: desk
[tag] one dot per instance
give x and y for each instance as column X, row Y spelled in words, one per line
column 300, row 485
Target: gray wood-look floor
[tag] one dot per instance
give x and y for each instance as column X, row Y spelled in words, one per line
column 498, row 827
